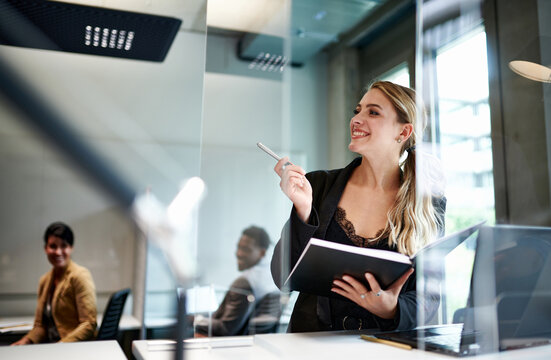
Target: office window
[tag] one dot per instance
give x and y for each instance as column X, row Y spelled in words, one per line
column 463, row 123
column 461, row 134
column 398, row 75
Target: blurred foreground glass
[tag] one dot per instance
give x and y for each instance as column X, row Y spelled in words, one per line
column 452, row 81
column 485, row 121
column 142, row 117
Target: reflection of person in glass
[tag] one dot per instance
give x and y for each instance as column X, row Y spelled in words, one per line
column 66, row 309
column 370, row 203
column 231, row 316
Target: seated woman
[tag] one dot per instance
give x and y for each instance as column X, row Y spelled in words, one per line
column 66, row 309
column 376, row 201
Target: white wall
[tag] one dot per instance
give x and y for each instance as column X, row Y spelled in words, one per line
column 241, row 108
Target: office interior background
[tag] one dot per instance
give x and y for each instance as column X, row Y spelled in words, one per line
column 286, row 73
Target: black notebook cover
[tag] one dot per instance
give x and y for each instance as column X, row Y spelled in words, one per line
column 323, row 261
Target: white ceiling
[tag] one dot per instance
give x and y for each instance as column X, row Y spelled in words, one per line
column 191, row 12
column 310, row 24
column 258, row 16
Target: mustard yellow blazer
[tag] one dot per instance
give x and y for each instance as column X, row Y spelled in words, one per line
column 73, row 305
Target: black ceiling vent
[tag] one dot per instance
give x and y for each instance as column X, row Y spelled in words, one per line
column 51, row 25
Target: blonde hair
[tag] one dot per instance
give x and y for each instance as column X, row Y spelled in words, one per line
column 412, row 221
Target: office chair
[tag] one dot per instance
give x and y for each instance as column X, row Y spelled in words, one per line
column 111, row 317
column 265, row 317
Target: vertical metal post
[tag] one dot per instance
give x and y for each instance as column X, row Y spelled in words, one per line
column 181, row 324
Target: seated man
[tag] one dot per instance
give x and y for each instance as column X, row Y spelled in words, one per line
column 255, row 279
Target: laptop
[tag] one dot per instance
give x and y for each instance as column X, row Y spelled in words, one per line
column 508, row 304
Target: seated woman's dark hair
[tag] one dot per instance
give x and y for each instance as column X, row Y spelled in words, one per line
column 60, row 230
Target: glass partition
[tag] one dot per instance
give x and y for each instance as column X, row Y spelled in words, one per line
column 486, row 119
column 276, row 73
column 458, row 134
column 288, row 74
column 136, row 114
column 246, row 70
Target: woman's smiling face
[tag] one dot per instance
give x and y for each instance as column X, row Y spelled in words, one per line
column 375, row 125
column 58, row 252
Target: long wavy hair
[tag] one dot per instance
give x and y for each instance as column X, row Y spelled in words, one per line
column 412, row 221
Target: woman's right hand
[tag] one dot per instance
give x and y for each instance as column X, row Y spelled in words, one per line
column 23, row 341
column 295, row 185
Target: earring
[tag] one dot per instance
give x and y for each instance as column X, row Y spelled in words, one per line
column 399, row 140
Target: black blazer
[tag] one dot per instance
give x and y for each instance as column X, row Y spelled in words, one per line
column 311, row 312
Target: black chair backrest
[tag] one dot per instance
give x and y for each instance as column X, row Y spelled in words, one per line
column 111, row 317
column 265, row 317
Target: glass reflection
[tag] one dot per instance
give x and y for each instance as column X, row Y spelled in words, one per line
column 143, row 118
column 286, row 73
column 266, row 81
column 477, row 129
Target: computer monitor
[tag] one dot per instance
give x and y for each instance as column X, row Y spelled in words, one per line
column 511, row 287
column 508, row 304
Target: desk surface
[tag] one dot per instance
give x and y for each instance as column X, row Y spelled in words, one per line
column 24, row 324
column 92, row 350
column 312, row 345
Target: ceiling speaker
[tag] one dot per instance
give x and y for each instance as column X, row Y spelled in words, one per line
column 51, row 25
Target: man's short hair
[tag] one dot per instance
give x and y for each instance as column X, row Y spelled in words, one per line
column 259, row 235
column 60, row 230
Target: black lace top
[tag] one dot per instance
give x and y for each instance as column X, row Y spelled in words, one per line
column 348, row 228
column 346, row 314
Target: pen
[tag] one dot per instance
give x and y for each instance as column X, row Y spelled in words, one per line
column 268, row 151
column 13, row 326
column 386, row 342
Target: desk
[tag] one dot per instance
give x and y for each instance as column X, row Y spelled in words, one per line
column 325, row 345
column 86, row 350
column 129, row 328
column 128, row 322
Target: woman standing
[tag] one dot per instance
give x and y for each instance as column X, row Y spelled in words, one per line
column 370, row 203
column 66, row 309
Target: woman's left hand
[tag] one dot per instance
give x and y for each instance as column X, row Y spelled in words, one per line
column 384, row 304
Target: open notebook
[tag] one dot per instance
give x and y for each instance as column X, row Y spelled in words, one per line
column 323, row 261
